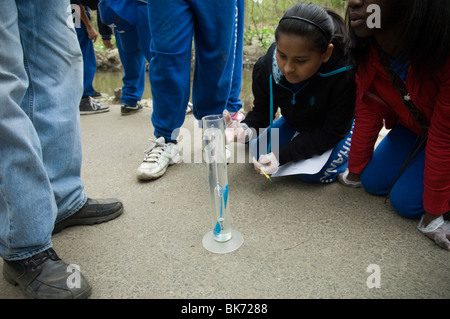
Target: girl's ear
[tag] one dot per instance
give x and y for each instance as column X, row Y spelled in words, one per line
column 328, row 53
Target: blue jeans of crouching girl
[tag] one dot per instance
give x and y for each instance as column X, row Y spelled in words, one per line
column 41, row 75
column 336, row 164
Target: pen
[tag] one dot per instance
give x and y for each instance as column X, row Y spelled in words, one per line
column 267, row 176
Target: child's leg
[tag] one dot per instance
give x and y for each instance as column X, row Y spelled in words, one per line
column 89, row 60
column 336, row 164
column 407, row 194
column 170, row 67
column 234, row 102
column 143, row 29
column 133, row 62
column 281, row 133
column 215, row 48
column 384, row 167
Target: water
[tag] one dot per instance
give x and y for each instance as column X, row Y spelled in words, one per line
column 215, row 158
column 107, row 82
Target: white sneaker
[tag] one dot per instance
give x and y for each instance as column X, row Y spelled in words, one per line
column 189, row 108
column 157, row 158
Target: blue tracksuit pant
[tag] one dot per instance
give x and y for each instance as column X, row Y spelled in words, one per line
column 89, row 60
column 216, row 27
column 133, row 42
column 234, row 103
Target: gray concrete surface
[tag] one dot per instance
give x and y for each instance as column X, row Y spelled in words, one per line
column 300, row 240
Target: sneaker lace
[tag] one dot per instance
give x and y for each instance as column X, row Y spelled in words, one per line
column 94, row 104
column 155, row 150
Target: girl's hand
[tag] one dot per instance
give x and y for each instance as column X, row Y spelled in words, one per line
column 236, row 131
column 92, row 34
column 349, row 179
column 267, row 163
column 437, row 230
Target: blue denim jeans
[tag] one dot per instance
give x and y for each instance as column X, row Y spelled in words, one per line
column 41, row 74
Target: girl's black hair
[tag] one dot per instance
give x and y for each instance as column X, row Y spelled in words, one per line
column 425, row 41
column 326, row 19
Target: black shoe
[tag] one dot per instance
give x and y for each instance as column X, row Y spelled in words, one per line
column 90, row 106
column 130, row 109
column 93, row 212
column 96, row 94
column 46, row 276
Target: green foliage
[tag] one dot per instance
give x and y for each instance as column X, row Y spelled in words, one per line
column 262, row 16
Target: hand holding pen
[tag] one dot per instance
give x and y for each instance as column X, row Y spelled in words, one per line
column 267, row 165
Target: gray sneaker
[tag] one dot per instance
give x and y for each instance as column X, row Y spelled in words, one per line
column 157, row 158
column 130, row 109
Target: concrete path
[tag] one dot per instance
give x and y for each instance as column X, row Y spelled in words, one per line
column 300, row 240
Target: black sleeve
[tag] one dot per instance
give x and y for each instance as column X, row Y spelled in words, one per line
column 259, row 116
column 92, row 4
column 104, row 30
column 336, row 124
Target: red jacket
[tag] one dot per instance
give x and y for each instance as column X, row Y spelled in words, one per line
column 378, row 103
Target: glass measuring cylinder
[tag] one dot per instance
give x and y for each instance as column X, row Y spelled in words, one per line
column 214, row 154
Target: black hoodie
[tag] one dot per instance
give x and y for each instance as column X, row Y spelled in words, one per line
column 322, row 111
